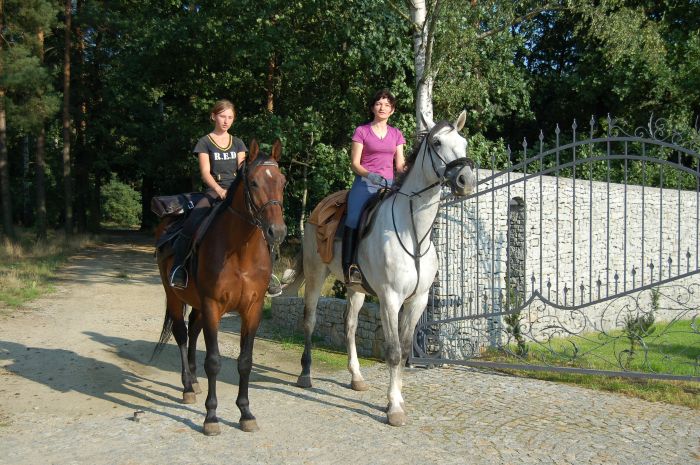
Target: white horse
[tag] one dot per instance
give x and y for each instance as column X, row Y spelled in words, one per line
column 397, row 258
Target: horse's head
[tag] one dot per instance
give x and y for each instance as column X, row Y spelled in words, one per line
column 264, row 191
column 448, row 154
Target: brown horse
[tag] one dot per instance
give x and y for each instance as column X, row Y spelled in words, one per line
column 232, row 269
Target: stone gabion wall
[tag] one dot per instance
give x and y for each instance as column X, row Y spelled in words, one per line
column 288, row 312
column 473, row 237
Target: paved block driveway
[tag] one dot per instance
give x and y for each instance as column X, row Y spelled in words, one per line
column 75, row 367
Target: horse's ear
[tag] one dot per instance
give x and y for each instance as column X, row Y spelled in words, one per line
column 254, row 150
column 427, row 121
column 461, row 119
column 276, row 150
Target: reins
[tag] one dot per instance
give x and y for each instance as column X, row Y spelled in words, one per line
column 428, row 147
column 253, row 211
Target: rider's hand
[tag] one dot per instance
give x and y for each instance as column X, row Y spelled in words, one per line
column 221, row 192
column 376, row 179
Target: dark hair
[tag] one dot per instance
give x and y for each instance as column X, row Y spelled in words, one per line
column 378, row 95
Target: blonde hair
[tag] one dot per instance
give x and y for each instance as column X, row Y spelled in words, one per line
column 222, row 105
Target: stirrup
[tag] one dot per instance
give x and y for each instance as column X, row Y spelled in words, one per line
column 179, row 285
column 354, row 274
column 274, row 287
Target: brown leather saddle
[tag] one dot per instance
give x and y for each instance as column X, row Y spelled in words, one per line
column 329, row 216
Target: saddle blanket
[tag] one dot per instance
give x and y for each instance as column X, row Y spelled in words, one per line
column 327, row 217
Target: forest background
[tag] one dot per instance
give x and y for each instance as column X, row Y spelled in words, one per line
column 102, row 101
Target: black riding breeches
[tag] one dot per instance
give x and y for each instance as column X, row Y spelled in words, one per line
column 198, row 213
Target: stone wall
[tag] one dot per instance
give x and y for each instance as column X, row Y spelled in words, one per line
column 576, row 242
column 288, row 312
column 573, row 242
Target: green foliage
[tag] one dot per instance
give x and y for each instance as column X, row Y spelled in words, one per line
column 513, row 323
column 121, row 204
column 144, row 75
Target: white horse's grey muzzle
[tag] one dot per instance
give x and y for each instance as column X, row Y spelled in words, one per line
column 461, row 179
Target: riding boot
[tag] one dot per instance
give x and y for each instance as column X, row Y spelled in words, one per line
column 274, row 286
column 178, row 275
column 351, row 272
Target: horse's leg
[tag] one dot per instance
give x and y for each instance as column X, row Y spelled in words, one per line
column 409, row 317
column 250, row 320
column 315, row 276
column 194, row 328
column 176, row 309
column 389, row 308
column 212, row 366
column 355, row 300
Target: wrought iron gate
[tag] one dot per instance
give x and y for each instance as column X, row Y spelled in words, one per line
column 582, row 257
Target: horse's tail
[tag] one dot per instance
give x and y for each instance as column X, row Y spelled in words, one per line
column 293, row 278
column 165, row 334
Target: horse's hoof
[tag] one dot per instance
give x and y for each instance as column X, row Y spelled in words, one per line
column 401, row 404
column 196, row 388
column 304, row 381
column 249, row 426
column 396, row 418
column 212, row 429
column 189, row 398
column 359, row 385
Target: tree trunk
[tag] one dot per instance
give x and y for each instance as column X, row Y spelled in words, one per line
column 304, row 197
column 270, row 84
column 4, row 172
column 67, row 184
column 40, row 166
column 83, row 156
column 422, row 49
column 95, row 210
column 26, row 184
column 147, row 217
column 4, row 169
column 40, row 184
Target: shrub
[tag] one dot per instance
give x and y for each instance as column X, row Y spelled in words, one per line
column 121, row 204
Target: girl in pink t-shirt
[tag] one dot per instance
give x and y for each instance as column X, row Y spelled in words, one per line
column 376, row 149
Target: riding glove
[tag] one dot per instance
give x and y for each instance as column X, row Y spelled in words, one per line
column 376, row 179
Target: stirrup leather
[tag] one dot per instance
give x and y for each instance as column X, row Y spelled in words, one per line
column 354, row 274
column 172, row 276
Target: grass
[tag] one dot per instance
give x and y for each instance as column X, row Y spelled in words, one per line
column 671, row 348
column 682, row 393
column 327, row 356
column 28, row 266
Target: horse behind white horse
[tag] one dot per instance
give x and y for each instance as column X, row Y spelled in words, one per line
column 397, row 258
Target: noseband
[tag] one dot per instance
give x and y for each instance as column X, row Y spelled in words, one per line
column 457, row 164
column 254, row 211
column 433, row 152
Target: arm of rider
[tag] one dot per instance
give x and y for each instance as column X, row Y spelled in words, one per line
column 400, row 160
column 355, row 157
column 204, row 169
column 240, row 158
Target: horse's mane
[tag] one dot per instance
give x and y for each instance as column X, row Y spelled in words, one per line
column 410, row 160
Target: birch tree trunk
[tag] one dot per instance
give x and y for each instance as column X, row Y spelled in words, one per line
column 424, row 82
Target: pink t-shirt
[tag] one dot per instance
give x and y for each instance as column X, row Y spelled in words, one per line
column 378, row 154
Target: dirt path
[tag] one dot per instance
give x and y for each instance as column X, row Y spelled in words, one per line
column 74, row 367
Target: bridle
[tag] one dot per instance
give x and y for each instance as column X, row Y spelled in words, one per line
column 254, row 212
column 428, row 147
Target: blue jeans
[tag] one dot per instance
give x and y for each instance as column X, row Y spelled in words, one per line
column 359, row 194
